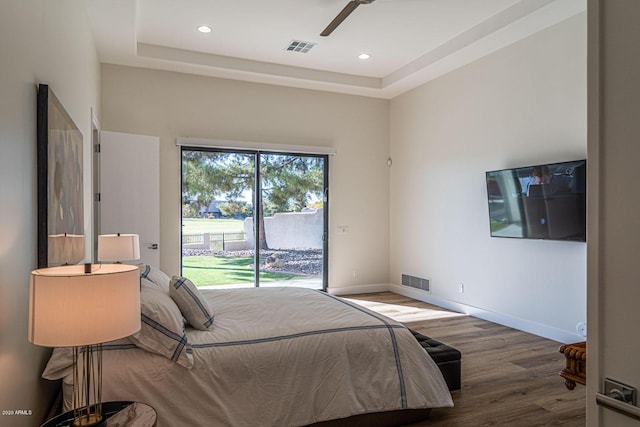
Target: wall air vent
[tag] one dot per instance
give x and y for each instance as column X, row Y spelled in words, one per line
column 416, row 282
column 300, row 46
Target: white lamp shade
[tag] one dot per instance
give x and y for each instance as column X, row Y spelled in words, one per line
column 68, row 307
column 65, row 248
column 118, row 247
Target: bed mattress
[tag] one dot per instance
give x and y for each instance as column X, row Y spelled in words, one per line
column 274, row 357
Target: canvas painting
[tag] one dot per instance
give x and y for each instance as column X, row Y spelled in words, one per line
column 61, row 237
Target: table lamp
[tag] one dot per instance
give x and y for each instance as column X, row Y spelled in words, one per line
column 83, row 306
column 118, row 247
column 65, row 249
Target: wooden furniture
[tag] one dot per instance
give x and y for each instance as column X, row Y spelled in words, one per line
column 575, row 370
column 116, row 414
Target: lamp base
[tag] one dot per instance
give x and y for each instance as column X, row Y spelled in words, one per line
column 87, row 386
column 89, row 420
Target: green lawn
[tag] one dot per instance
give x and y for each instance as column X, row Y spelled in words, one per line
column 219, row 270
column 498, row 225
column 201, row 225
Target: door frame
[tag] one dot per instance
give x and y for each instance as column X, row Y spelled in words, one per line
column 95, row 194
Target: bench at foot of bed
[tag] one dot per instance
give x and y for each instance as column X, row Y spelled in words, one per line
column 446, row 357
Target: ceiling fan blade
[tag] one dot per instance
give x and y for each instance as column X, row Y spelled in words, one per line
column 350, row 7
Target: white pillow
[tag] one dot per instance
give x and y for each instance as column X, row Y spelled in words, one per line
column 155, row 275
column 162, row 327
column 193, row 306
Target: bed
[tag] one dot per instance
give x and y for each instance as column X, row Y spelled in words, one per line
column 269, row 357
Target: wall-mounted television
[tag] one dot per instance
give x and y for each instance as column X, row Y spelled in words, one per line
column 539, row 202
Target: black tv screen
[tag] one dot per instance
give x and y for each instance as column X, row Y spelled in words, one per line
column 539, row 202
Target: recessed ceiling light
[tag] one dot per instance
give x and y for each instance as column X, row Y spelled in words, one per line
column 364, row 56
column 204, row 29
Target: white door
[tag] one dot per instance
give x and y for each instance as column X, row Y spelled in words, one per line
column 130, row 189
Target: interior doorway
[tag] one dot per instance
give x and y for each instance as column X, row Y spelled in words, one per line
column 129, row 193
column 252, row 218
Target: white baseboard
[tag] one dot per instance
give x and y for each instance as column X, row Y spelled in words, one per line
column 535, row 328
column 362, row 289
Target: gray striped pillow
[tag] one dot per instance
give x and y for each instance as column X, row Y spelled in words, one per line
column 193, row 306
column 162, row 327
column 155, row 276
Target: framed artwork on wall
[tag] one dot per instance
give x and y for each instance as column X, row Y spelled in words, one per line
column 61, row 237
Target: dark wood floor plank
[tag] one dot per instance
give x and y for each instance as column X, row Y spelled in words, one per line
column 509, row 378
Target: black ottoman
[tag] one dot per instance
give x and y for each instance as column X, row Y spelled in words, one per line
column 446, row 357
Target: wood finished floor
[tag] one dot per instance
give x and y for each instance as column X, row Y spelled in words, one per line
column 509, row 377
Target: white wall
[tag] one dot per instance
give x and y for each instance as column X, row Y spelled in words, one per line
column 171, row 105
column 614, row 203
column 40, row 42
column 522, row 105
column 290, row 230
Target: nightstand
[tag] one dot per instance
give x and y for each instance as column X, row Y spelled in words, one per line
column 575, row 370
column 116, row 414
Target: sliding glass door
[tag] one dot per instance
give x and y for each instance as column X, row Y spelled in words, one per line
column 217, row 189
column 253, row 218
column 292, row 227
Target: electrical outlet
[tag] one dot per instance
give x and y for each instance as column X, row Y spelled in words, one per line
column 461, row 288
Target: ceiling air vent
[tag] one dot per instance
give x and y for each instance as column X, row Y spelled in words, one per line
column 300, row 46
